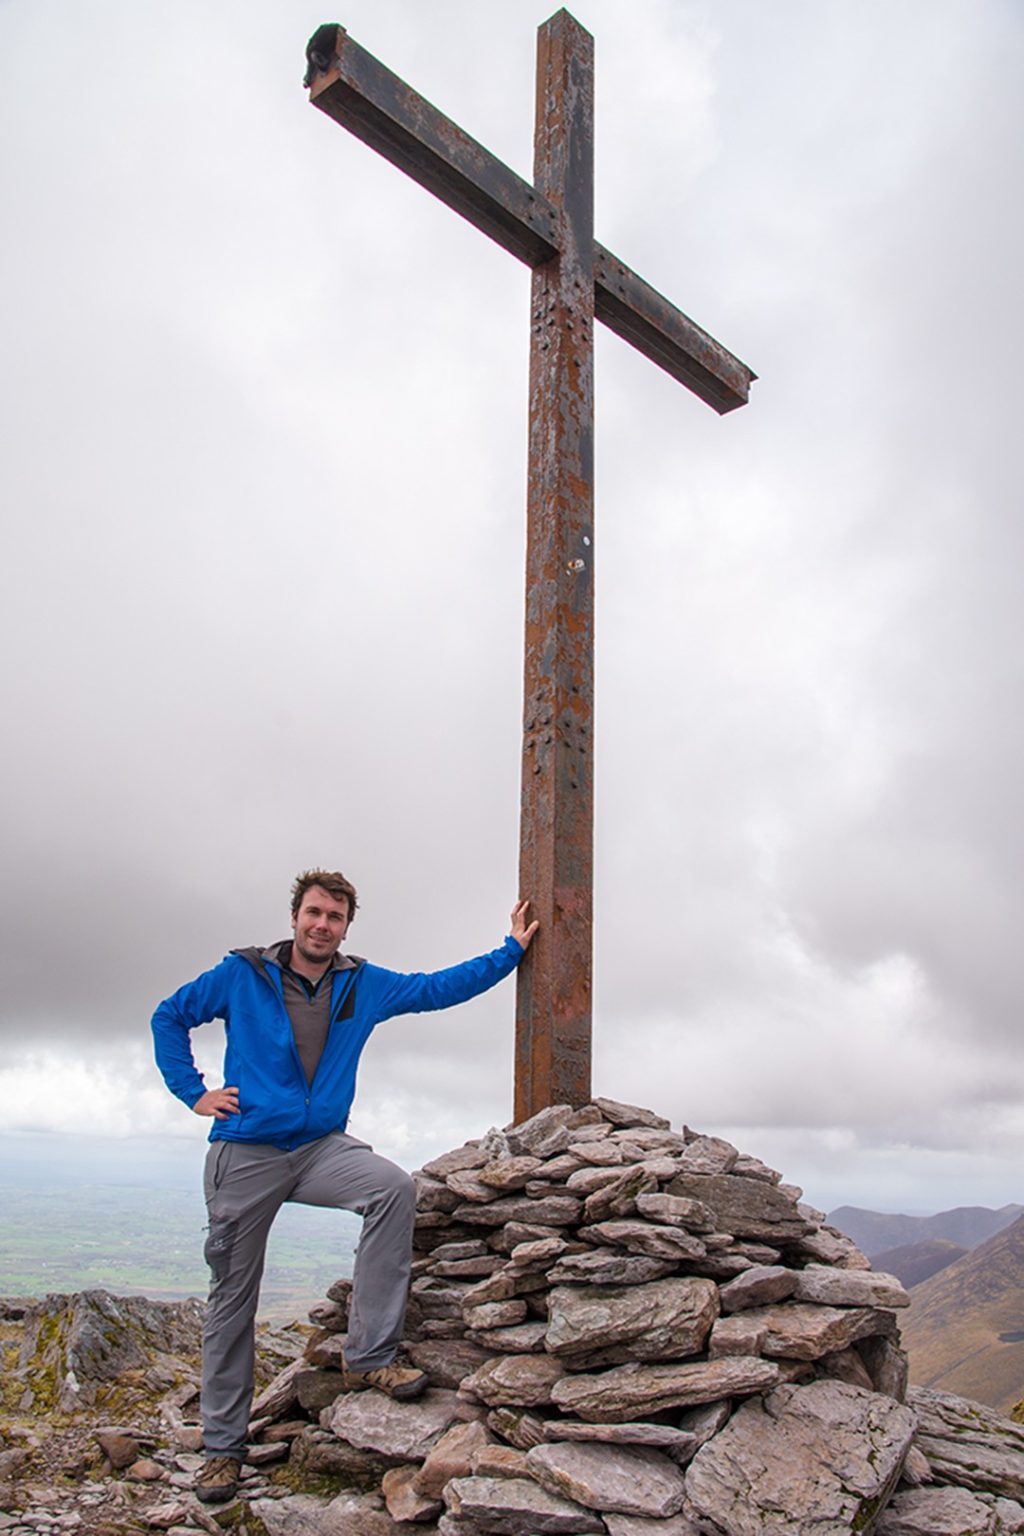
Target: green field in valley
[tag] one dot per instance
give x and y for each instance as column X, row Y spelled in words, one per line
column 140, row 1239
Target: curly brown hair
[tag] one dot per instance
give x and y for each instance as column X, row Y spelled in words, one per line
column 332, row 881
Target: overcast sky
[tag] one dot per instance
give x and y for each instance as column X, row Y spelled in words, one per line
column 263, row 407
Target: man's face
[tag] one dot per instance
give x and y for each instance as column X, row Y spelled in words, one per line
column 319, row 925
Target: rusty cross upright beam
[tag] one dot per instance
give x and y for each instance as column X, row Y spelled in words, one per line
column 549, row 226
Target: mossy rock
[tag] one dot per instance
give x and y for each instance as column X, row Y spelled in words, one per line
column 94, row 1350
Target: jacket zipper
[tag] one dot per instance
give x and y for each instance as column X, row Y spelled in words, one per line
column 306, row 1087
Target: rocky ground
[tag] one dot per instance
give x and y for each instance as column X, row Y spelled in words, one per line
column 98, row 1431
column 629, row 1331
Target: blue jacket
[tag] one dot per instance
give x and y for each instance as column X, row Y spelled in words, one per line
column 277, row 1105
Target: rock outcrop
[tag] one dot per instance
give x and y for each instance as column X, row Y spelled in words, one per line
column 78, row 1351
column 628, row 1330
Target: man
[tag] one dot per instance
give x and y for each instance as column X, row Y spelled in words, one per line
column 297, row 1016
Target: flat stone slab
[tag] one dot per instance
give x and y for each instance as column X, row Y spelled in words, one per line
column 440, row 1298
column 499, row 1461
column 705, row 1421
column 514, row 1233
column 521, row 1339
column 451, row 1456
column 404, row 1500
column 317, row 1389
column 800, row 1330
column 509, row 1172
column 371, row 1421
column 468, row 1185
column 827, row 1246
column 604, row 1267
column 624, row 1479
column 1009, row 1517
column 677, row 1443
column 586, row 1179
column 742, row 1334
column 636, row 1391
column 517, row 1506
column 759, row 1286
column 516, row 1381
column 675, row 1211
column 630, row 1115
column 621, row 1195
column 539, row 1254
column 849, row 1287
column 522, row 1430
column 754, row 1168
column 636, row 1525
column 455, row 1161
column 466, row 1269
column 659, row 1139
column 644, row 1237
column 601, row 1154
column 663, row 1320
column 549, row 1211
column 815, row 1460
column 938, row 1512
column 599, row 1130
column 303, row 1514
column 539, row 1135
column 447, row 1361
column 969, row 1444
column 557, row 1168
column 495, row 1314
column 472, row 1248
column 744, row 1207
column 709, row 1154
column 503, row 1284
column 281, row 1394
column 434, row 1196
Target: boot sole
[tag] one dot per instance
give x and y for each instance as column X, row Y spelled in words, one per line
column 215, row 1495
column 405, row 1394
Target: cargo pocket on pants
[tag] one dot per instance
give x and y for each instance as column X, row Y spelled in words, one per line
column 219, row 1245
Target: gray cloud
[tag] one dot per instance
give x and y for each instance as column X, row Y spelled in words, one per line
column 263, row 488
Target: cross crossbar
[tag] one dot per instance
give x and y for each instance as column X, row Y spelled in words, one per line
column 362, row 95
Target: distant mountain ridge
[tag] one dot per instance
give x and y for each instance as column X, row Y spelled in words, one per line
column 964, row 1331
column 876, row 1232
column 916, row 1262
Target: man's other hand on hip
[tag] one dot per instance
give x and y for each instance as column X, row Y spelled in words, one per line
column 218, row 1102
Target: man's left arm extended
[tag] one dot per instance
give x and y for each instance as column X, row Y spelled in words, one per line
column 424, row 991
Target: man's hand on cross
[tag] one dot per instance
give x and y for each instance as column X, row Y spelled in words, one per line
column 522, row 931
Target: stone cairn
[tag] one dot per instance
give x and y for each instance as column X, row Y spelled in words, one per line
column 627, row 1329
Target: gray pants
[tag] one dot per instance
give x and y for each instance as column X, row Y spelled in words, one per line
column 245, row 1185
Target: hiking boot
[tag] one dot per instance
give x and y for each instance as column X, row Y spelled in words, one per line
column 398, row 1381
column 218, row 1480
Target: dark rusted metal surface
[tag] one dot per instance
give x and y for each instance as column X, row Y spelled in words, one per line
column 362, row 95
column 550, row 227
column 556, row 835
column 358, row 92
column 640, row 315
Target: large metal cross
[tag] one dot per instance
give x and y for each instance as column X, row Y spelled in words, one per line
column 549, row 226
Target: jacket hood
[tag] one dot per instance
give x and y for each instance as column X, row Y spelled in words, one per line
column 280, row 952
